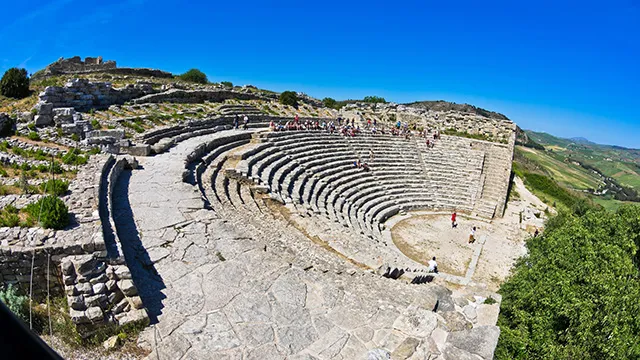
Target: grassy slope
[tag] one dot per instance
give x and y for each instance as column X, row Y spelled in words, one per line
column 567, row 174
column 618, row 163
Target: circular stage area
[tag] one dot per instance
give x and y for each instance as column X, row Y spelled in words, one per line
column 425, row 236
column 422, row 236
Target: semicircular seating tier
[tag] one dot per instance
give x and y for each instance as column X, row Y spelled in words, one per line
column 317, row 170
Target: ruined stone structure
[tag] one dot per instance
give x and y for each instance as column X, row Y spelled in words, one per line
column 76, row 65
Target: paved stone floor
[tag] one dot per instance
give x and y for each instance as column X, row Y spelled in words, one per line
column 216, row 289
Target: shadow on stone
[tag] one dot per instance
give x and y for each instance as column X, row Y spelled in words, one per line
column 107, row 230
column 143, row 272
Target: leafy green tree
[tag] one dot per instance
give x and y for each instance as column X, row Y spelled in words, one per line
column 576, row 294
column 329, row 102
column 227, row 84
column 289, row 98
column 374, row 99
column 15, row 83
column 195, row 76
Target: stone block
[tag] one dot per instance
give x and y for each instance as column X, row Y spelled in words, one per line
column 43, row 120
column 122, row 272
column 136, row 302
column 127, row 287
column 76, row 302
column 78, row 317
column 99, row 288
column 44, row 108
column 94, row 314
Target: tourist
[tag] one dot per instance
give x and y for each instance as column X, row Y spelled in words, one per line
column 246, row 122
column 433, row 265
column 370, row 155
column 535, row 234
column 472, row 235
column 236, row 121
column 272, row 125
column 296, row 118
column 453, row 220
column 365, row 167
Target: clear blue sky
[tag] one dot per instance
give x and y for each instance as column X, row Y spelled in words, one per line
column 570, row 68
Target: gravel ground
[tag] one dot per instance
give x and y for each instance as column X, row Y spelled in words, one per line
column 128, row 352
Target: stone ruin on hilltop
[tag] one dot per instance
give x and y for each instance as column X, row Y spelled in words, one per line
column 76, row 65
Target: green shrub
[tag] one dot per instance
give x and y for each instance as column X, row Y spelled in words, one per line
column 9, row 219
column 329, row 102
column 33, row 136
column 374, row 99
column 15, row 83
column 195, row 76
column 575, row 294
column 54, row 213
column 55, row 187
column 73, row 157
column 75, row 137
column 95, row 124
column 289, row 98
column 227, row 84
column 18, row 304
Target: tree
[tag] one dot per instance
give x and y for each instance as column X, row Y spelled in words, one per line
column 195, row 76
column 374, row 99
column 289, row 98
column 575, row 295
column 15, row 83
column 227, row 84
column 329, row 102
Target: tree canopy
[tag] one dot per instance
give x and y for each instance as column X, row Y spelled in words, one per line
column 15, row 83
column 194, row 75
column 374, row 99
column 576, row 295
column 289, row 98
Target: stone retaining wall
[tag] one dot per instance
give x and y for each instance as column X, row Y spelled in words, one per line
column 83, row 236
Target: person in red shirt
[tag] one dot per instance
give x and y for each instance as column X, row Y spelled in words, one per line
column 453, row 220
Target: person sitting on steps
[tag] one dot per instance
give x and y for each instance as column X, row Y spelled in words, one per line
column 433, row 265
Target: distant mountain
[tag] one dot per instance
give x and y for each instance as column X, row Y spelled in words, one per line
column 581, row 140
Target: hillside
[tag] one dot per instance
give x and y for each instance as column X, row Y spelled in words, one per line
column 608, row 175
column 441, row 105
column 619, row 163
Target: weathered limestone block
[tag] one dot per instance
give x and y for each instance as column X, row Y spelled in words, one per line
column 481, row 340
column 127, row 287
column 94, row 314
